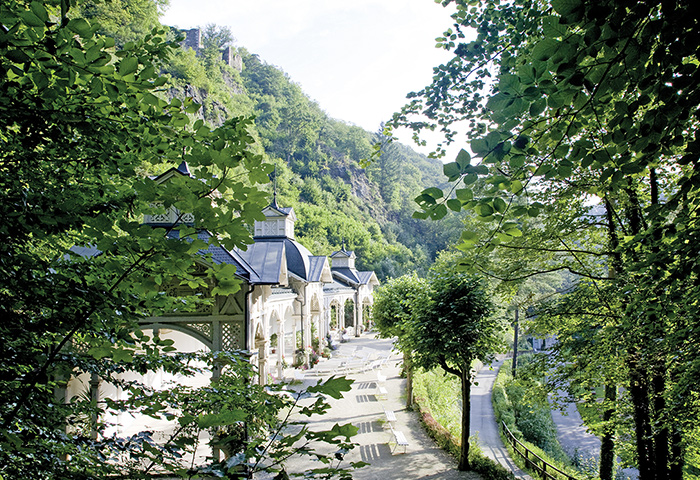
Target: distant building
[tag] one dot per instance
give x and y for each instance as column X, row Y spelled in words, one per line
column 193, row 40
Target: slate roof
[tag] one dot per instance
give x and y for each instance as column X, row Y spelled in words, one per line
column 220, row 255
column 343, row 252
column 349, row 274
column 297, row 255
column 316, row 264
column 352, row 276
column 266, row 259
column 336, row 286
column 365, row 277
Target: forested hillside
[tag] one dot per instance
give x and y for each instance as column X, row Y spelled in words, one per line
column 317, row 157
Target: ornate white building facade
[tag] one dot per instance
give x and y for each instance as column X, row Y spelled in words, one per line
column 288, row 297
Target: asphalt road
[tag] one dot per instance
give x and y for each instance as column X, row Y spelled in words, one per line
column 483, row 423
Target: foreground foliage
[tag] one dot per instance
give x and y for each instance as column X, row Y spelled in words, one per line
column 82, row 125
column 571, row 103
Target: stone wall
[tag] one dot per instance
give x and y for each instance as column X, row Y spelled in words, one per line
column 193, row 40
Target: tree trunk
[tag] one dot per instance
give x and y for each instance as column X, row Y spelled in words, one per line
column 676, row 468
column 639, row 394
column 661, row 440
column 607, row 444
column 466, row 391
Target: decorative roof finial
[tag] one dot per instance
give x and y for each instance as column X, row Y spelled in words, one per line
column 343, row 249
column 274, row 188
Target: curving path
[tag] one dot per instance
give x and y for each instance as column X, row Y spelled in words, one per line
column 483, row 422
column 364, row 408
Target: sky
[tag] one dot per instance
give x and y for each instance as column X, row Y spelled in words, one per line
column 356, row 58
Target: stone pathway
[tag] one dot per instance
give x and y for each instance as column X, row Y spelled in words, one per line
column 365, row 409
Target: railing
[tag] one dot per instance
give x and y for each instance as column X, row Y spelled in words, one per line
column 546, row 470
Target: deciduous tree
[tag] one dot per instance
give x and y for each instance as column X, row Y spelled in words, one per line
column 572, row 102
column 83, row 125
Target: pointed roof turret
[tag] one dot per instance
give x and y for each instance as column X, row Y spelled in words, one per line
column 184, row 169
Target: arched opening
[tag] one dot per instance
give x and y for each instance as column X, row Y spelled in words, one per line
column 261, row 345
column 349, row 314
column 367, row 314
column 290, row 336
column 129, row 423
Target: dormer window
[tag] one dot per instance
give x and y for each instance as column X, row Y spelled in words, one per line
column 279, row 222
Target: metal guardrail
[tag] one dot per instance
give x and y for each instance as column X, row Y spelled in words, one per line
column 546, row 470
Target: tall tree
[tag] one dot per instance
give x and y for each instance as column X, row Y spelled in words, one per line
column 397, row 305
column 591, row 101
column 454, row 329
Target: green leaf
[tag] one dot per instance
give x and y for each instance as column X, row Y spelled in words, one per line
column 484, row 210
column 538, row 106
column 470, row 178
column 31, row 19
column 479, row 147
column 545, row 49
column 433, row 192
column 425, row 200
column 120, row 355
column 128, row 65
column 565, row 7
column 552, row 28
column 509, row 83
column 451, row 170
column 439, row 212
column 39, row 10
column 499, row 205
column 230, row 417
column 464, row 194
column 18, row 56
column 463, row 159
column 79, row 26
column 454, row 205
column 468, row 236
column 333, row 387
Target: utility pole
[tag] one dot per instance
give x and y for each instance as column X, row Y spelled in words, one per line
column 515, row 341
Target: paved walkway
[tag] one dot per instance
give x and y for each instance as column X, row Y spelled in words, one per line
column 364, row 408
column 483, row 422
column 573, row 436
column 576, row 440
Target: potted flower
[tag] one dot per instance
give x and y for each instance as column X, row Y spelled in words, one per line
column 273, row 342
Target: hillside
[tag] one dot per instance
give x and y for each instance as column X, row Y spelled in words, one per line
column 318, row 158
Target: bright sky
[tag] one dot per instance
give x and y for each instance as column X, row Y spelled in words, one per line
column 357, row 58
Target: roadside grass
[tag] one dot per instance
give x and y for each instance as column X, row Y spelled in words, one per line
column 437, row 398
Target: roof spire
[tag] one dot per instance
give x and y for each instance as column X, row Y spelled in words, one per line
column 184, row 169
column 274, row 188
